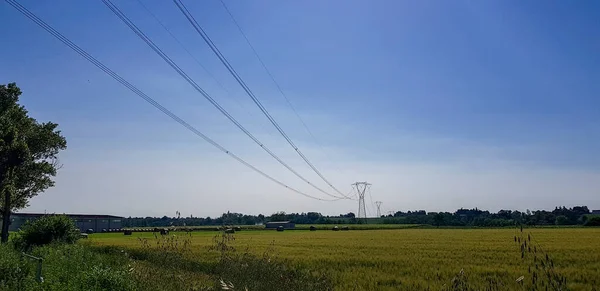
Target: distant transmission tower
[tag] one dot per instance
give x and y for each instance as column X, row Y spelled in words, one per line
column 378, row 203
column 361, row 188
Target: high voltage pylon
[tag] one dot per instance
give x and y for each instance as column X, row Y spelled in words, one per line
column 378, row 204
column 361, row 188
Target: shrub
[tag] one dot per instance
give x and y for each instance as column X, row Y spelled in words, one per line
column 45, row 230
column 79, row 267
column 14, row 270
column 593, row 221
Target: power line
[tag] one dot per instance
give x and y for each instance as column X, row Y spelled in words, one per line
column 232, row 71
column 370, row 196
column 182, row 73
column 228, row 93
column 143, row 95
column 182, row 46
column 271, row 76
column 351, row 193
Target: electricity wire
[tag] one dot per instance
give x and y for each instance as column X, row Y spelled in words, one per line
column 182, row 73
column 146, row 98
column 212, row 76
column 273, row 78
column 236, row 76
column 371, row 197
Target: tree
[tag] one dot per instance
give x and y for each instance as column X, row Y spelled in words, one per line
column 28, row 155
column 279, row 216
column 593, row 221
column 438, row 219
column 562, row 220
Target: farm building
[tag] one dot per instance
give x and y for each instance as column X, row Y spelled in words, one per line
column 83, row 221
column 276, row 224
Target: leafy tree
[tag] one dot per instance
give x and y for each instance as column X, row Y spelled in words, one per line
column 562, row 220
column 28, row 155
column 593, row 221
column 279, row 216
column 438, row 219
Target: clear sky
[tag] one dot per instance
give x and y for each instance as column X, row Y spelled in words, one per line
column 439, row 104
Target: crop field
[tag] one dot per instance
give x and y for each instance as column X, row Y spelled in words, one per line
column 297, row 226
column 411, row 258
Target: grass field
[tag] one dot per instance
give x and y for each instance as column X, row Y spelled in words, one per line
column 410, row 259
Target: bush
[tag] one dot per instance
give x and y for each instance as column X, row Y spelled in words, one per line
column 593, row 221
column 45, row 230
column 66, row 267
column 14, row 270
column 79, row 267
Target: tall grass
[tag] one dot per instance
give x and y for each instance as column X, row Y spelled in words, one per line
column 266, row 272
column 541, row 271
column 412, row 259
column 15, row 271
column 167, row 263
column 65, row 267
column 409, row 259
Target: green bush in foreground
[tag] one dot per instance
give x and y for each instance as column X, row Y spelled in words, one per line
column 45, row 230
column 15, row 272
column 78, row 267
column 65, row 267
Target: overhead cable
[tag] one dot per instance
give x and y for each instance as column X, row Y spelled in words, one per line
column 232, row 71
column 146, row 98
column 183, row 74
column 197, row 60
column 272, row 77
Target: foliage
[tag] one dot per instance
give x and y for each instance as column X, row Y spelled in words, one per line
column 593, row 221
column 76, row 267
column 461, row 217
column 28, row 154
column 46, row 230
column 562, row 220
column 65, row 267
column 14, row 270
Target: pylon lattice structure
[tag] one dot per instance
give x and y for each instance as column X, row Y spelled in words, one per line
column 378, row 204
column 361, row 188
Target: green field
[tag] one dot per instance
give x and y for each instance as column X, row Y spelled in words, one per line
column 408, row 259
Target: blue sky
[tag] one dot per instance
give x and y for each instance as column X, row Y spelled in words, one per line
column 490, row 104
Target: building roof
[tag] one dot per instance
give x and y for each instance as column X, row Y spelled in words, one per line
column 278, row 222
column 84, row 216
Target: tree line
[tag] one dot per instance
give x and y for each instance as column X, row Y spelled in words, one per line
column 578, row 215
